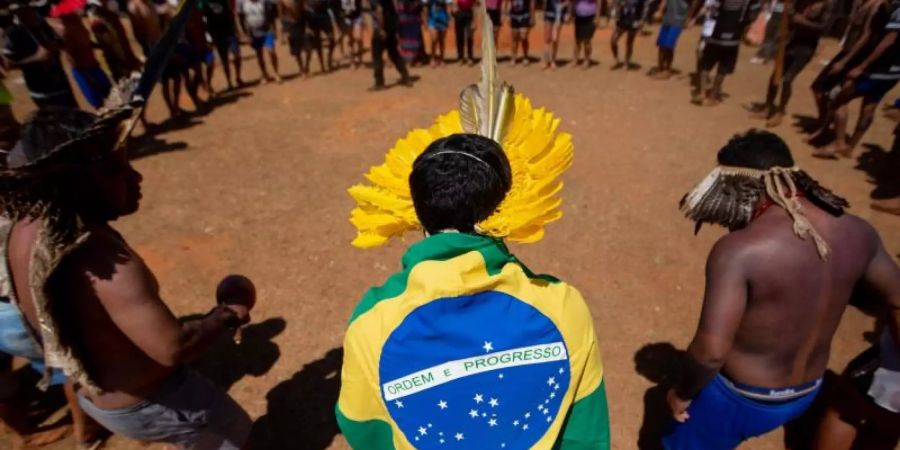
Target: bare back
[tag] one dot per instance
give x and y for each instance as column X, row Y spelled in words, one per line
column 124, row 372
column 794, row 299
column 291, row 10
column 145, row 23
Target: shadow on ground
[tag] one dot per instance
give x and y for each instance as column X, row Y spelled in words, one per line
column 227, row 362
column 300, row 412
column 882, row 167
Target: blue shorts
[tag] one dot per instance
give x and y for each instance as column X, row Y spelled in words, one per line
column 266, row 41
column 94, row 85
column 15, row 340
column 668, row 37
column 873, row 90
column 721, row 417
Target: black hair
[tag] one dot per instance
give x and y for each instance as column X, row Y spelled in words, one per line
column 459, row 181
column 756, row 149
column 47, row 193
column 762, row 150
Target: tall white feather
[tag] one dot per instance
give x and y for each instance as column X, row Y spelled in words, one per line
column 486, row 108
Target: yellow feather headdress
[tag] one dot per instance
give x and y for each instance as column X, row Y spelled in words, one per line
column 537, row 155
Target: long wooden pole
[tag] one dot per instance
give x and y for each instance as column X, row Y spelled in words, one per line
column 782, row 41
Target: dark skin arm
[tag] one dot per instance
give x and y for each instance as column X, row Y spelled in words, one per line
column 807, row 17
column 886, row 42
column 724, row 303
column 858, row 45
column 130, row 296
column 883, row 277
column 695, row 9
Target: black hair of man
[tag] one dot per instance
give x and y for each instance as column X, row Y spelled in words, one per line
column 762, row 150
column 458, row 182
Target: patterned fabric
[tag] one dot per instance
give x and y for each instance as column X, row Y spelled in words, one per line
column 467, row 348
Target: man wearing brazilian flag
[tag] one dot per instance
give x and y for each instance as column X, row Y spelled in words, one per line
column 465, row 347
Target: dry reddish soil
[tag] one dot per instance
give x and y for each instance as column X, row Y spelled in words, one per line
column 258, row 186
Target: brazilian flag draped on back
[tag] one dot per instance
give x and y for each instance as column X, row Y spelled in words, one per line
column 465, row 348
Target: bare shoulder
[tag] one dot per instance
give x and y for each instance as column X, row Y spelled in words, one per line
column 111, row 266
column 739, row 246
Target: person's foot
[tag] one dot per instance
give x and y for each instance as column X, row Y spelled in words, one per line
column 775, row 120
column 406, row 81
column 546, row 66
column 824, row 153
column 462, row 61
column 888, row 205
column 633, row 66
column 578, row 62
column 696, row 98
column 377, row 87
column 845, row 151
column 553, row 66
column 527, row 61
column 618, row 65
column 662, row 75
column 514, row 62
column 241, row 83
column 278, row 79
column 712, row 101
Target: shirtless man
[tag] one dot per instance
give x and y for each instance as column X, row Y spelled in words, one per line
column 145, row 24
column 293, row 30
column 871, row 79
column 856, row 44
column 86, row 70
column 776, row 288
column 94, row 302
column 112, row 40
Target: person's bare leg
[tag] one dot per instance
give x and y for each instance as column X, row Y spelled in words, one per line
column 629, row 48
column 86, row 430
column 834, row 433
column 273, row 56
column 588, row 51
column 525, row 45
column 701, row 88
column 210, row 67
column 554, row 45
column 515, row 47
column 433, row 45
column 261, row 61
column 866, row 114
column 714, row 96
column 548, row 42
column 442, row 42
column 331, row 44
column 614, row 45
column 237, row 66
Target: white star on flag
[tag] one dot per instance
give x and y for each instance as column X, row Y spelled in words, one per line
column 488, row 347
column 473, row 413
column 423, row 431
column 525, row 427
column 545, row 411
column 546, row 401
column 540, row 406
column 503, row 445
column 429, row 425
column 494, row 403
column 551, row 381
column 492, row 422
column 553, row 395
column 442, row 404
column 478, row 398
column 527, row 415
column 556, row 388
column 500, row 376
column 515, row 423
column 561, row 370
column 399, row 404
column 484, row 414
column 441, row 441
column 549, row 419
column 459, row 436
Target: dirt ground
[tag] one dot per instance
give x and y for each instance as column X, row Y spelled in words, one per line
column 258, row 186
